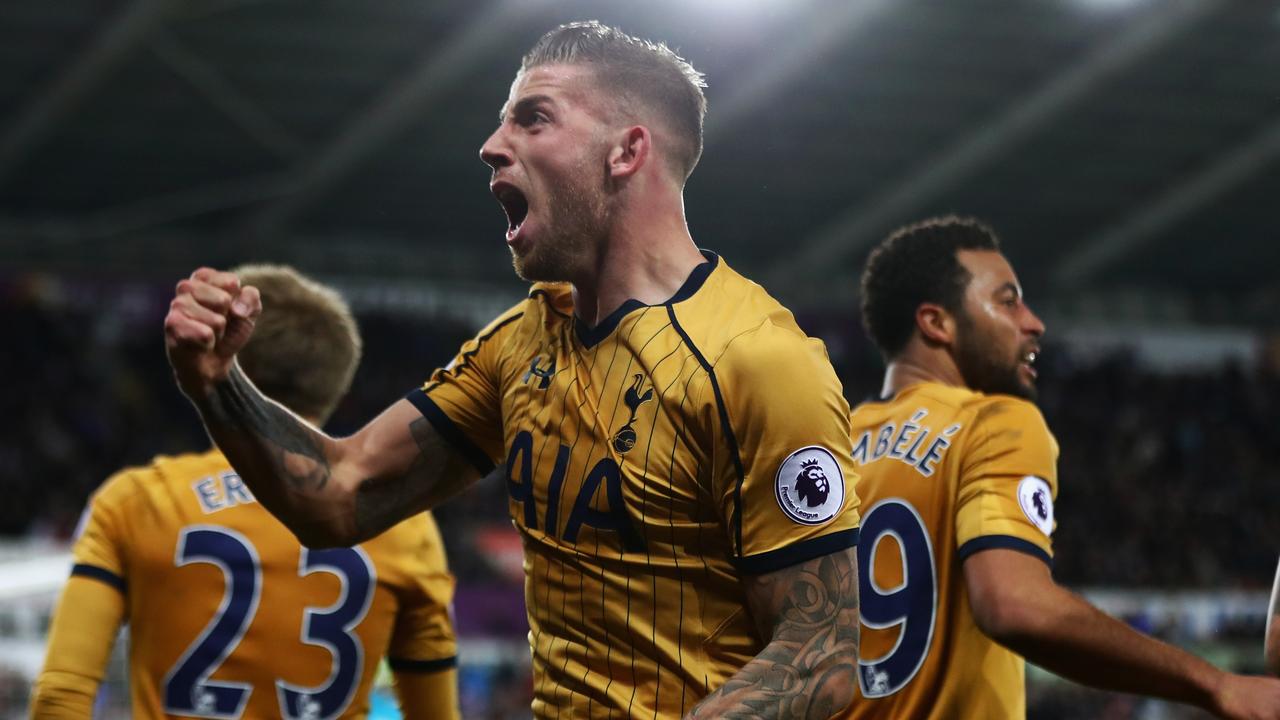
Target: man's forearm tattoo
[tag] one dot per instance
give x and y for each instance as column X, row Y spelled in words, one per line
column 804, row 670
column 291, row 447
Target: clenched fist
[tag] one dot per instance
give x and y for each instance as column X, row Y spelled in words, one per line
column 209, row 321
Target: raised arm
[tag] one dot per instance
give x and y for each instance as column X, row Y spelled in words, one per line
column 327, row 491
column 1016, row 602
column 808, row 669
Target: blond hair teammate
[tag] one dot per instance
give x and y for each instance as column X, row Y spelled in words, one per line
column 228, row 615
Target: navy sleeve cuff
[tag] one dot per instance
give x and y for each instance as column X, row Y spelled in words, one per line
column 452, row 433
column 795, row 554
column 1005, row 542
column 97, row 573
column 422, row 666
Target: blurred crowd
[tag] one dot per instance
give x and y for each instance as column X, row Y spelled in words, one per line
column 1166, row 480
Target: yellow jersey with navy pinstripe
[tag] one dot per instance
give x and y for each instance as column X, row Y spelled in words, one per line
column 946, row 472
column 651, row 462
column 230, row 617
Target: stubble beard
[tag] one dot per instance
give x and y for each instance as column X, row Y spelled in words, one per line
column 576, row 219
column 982, row 370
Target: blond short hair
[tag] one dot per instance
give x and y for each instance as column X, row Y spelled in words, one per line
column 639, row 75
column 305, row 346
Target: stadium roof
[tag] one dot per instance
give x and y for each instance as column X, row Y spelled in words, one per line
column 1123, row 148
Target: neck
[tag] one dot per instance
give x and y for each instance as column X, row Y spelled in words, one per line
column 917, row 365
column 647, row 256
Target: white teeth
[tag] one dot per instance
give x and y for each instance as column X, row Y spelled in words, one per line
column 1030, row 358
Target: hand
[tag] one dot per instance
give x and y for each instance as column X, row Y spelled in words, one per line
column 1248, row 697
column 209, row 321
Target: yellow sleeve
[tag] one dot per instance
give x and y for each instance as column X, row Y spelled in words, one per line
column 423, row 638
column 792, row 494
column 463, row 400
column 428, row 695
column 1008, row 482
column 84, row 628
column 101, row 543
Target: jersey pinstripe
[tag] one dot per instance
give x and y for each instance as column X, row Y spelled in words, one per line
column 230, row 617
column 946, row 472
column 647, row 464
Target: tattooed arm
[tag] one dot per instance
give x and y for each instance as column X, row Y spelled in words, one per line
column 808, row 669
column 327, row 491
column 330, row 491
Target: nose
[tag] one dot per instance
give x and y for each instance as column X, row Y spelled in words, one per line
column 494, row 152
column 1031, row 324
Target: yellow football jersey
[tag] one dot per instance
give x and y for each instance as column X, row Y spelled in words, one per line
column 650, row 463
column 230, row 617
column 946, row 472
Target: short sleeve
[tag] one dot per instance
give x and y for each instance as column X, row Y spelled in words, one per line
column 1008, row 482
column 792, row 496
column 423, row 639
column 463, row 400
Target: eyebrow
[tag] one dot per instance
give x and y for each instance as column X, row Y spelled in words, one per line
column 523, row 104
column 1011, row 287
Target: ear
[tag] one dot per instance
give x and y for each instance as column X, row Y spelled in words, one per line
column 631, row 152
column 936, row 325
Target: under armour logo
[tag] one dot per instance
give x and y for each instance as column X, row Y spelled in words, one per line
column 543, row 373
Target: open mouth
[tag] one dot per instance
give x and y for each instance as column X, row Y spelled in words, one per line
column 514, row 204
column 1029, row 360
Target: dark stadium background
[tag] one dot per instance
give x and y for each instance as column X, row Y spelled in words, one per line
column 1128, row 152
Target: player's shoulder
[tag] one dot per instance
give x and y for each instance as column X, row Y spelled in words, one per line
column 130, row 483
column 546, row 304
column 999, row 410
column 729, row 318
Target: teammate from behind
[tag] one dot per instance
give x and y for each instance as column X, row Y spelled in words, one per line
column 958, row 482
column 228, row 615
column 675, row 449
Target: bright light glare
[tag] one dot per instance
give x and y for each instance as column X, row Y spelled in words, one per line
column 1108, row 5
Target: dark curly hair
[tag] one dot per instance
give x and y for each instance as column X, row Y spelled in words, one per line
column 917, row 264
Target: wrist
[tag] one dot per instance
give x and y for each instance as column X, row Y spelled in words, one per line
column 204, row 390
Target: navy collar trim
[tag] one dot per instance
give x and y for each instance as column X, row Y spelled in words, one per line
column 590, row 337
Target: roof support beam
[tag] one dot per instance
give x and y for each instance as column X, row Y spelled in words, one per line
column 395, row 109
column 861, row 226
column 1181, row 201
column 242, row 111
column 43, row 114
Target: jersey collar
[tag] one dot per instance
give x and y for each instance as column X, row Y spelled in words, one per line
column 590, row 336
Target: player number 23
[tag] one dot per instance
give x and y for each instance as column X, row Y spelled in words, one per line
column 911, row 606
column 188, row 689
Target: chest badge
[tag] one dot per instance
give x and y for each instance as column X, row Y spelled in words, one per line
column 625, row 439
